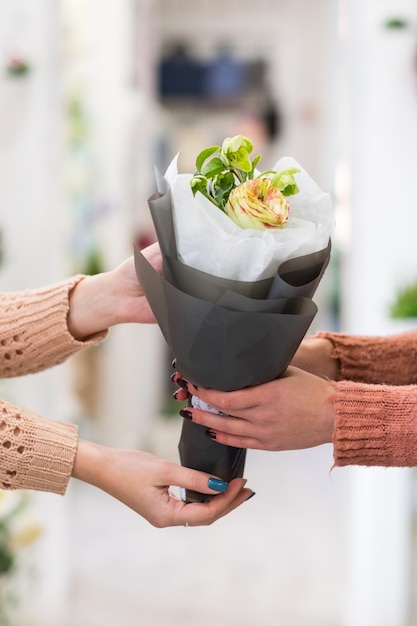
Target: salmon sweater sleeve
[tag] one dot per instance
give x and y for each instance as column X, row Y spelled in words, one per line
column 36, row 453
column 375, row 399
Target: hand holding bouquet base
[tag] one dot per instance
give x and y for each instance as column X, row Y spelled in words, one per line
column 197, row 451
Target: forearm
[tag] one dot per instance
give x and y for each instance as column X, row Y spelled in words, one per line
column 34, row 330
column 375, row 425
column 35, row 453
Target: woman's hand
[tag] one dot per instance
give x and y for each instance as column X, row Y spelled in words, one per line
column 142, row 482
column 115, row 297
column 289, row 413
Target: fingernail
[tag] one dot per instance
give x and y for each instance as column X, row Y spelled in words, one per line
column 251, row 496
column 175, row 394
column 182, row 383
column 187, row 414
column 174, row 363
column 217, row 484
column 211, row 434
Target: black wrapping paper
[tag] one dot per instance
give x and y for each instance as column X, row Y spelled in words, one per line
column 225, row 334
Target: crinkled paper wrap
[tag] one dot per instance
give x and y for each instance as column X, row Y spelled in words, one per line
column 224, row 333
column 225, row 249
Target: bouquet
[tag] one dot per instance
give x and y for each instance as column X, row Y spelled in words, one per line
column 243, row 253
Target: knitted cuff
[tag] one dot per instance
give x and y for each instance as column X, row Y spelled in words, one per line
column 35, row 453
column 35, row 333
column 375, row 425
column 375, row 360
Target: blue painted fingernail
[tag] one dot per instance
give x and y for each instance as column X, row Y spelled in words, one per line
column 217, row 484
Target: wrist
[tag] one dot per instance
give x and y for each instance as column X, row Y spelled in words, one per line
column 331, row 364
column 316, row 355
column 92, row 306
column 89, row 463
column 329, row 413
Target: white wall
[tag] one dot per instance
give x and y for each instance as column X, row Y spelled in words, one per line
column 29, row 195
column 382, row 158
column 378, row 140
column 34, row 224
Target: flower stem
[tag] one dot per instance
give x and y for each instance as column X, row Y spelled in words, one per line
column 241, row 176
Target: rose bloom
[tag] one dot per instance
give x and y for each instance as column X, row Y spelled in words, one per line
column 257, row 204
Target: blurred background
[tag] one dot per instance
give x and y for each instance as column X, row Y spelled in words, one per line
column 93, row 95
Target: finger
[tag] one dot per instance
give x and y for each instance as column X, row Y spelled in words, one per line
column 230, row 402
column 227, row 424
column 222, row 505
column 181, row 395
column 235, row 441
column 197, row 514
column 153, row 255
column 177, row 475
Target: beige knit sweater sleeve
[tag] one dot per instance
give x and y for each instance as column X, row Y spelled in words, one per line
column 375, row 399
column 36, row 453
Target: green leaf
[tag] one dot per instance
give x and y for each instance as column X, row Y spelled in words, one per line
column 285, row 181
column 235, row 153
column 204, row 155
column 223, row 184
column 240, row 160
column 290, row 190
column 198, row 183
column 232, row 145
column 256, row 161
column 212, row 168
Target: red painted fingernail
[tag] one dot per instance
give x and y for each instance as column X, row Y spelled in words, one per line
column 187, row 414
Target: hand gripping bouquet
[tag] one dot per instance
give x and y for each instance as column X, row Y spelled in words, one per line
column 243, row 253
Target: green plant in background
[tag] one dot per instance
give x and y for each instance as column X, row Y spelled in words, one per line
column 93, row 263
column 78, row 121
column 17, row 67
column 395, row 23
column 6, row 553
column 405, row 302
column 19, row 528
